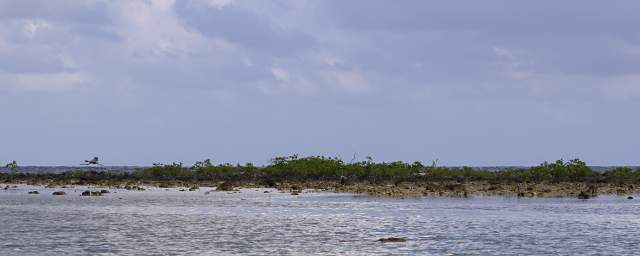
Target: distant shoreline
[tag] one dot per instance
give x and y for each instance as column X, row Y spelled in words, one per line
column 396, row 179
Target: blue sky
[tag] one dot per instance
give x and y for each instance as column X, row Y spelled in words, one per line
column 465, row 82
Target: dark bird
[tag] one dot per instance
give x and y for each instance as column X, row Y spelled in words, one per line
column 93, row 161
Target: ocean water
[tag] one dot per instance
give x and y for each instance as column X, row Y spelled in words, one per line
column 251, row 222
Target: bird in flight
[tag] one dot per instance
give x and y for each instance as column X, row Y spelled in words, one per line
column 93, row 161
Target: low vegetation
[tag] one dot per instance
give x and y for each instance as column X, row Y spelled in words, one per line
column 12, row 166
column 319, row 168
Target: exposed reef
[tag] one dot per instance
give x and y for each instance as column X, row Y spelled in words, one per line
column 394, row 179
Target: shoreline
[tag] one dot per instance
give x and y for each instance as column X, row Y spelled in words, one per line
column 582, row 190
column 293, row 174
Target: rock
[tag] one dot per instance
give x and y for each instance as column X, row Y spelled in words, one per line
column 392, row 240
column 583, row 195
column 194, row 188
column 266, row 191
column 295, row 193
column 59, row 193
column 630, row 197
column 34, row 192
column 269, row 183
column 225, row 186
column 91, row 193
column 104, row 191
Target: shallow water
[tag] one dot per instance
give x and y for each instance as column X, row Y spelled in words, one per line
column 160, row 222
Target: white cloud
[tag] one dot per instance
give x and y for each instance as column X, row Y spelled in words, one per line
column 31, row 27
column 68, row 61
column 513, row 64
column 280, row 74
column 219, row 4
column 43, row 82
column 349, row 81
column 333, row 60
column 4, row 45
column 622, row 87
column 247, row 61
column 151, row 29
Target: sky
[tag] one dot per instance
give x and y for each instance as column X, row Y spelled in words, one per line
column 478, row 83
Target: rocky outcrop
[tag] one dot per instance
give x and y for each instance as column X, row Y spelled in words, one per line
column 129, row 187
column 91, row 193
column 59, row 193
column 392, row 240
column 584, row 195
column 225, row 186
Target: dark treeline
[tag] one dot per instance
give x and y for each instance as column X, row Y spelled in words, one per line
column 296, row 168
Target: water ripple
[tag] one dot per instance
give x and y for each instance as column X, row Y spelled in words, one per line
column 250, row 222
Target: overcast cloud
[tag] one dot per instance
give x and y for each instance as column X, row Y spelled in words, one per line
column 465, row 82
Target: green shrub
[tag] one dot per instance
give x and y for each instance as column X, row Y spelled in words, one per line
column 12, row 166
column 313, row 167
column 328, row 168
column 166, row 172
column 622, row 173
column 562, row 171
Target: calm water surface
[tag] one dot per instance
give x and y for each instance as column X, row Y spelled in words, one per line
column 251, row 222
